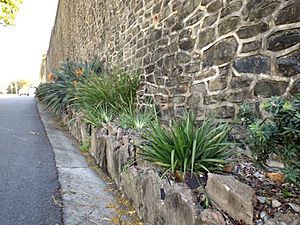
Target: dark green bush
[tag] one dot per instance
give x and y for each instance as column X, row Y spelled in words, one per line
column 112, row 92
column 59, row 92
column 186, row 147
column 278, row 133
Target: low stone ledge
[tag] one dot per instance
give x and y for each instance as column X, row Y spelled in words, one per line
column 232, row 196
column 156, row 200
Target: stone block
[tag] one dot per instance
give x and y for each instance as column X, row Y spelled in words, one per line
column 257, row 64
column 112, row 159
column 221, row 52
column 289, row 14
column 187, row 44
column 251, row 46
column 295, row 88
column 252, row 30
column 192, row 68
column 257, row 9
column 100, row 153
column 281, row 40
column 84, row 130
column 284, row 219
column 214, row 6
column 231, row 8
column 241, row 82
column 211, row 217
column 266, row 89
column 209, row 72
column 228, row 25
column 205, row 37
column 93, row 141
column 210, row 20
column 182, row 57
column 232, row 196
column 263, row 11
column 218, row 84
column 289, row 65
column 195, row 18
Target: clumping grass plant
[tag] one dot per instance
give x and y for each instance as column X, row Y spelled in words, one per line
column 186, row 147
column 102, row 97
column 138, row 119
column 58, row 93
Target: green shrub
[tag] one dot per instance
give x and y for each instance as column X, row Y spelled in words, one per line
column 138, row 119
column 186, row 147
column 97, row 116
column 85, row 146
column 278, row 134
column 113, row 91
column 246, row 114
column 60, row 91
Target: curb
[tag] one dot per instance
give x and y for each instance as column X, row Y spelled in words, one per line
column 82, row 191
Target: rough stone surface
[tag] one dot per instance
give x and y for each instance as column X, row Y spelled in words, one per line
column 283, row 39
column 289, row 14
column 267, row 89
column 252, row 30
column 251, row 46
column 253, row 64
column 212, row 217
column 228, row 25
column 162, row 41
column 221, row 52
column 282, row 219
column 231, row 8
column 206, row 37
column 232, row 196
column 288, row 65
column 296, row 88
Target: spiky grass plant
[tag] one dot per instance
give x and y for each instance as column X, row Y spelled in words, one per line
column 59, row 92
column 138, row 119
column 187, row 147
column 113, row 91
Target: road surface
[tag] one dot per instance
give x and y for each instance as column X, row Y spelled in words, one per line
column 28, row 175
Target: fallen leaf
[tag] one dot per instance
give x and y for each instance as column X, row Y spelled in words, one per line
column 275, row 177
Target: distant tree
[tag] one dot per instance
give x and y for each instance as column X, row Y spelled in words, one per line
column 8, row 10
column 15, row 86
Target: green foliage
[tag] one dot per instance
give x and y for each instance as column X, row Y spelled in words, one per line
column 113, row 92
column 85, row 146
column 97, row 116
column 292, row 173
column 262, row 134
column 278, row 134
column 246, row 114
column 59, row 93
column 186, row 147
column 15, row 86
column 8, row 10
column 286, row 192
column 138, row 119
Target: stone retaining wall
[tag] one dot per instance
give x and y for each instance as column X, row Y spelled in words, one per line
column 160, row 201
column 157, row 201
column 206, row 55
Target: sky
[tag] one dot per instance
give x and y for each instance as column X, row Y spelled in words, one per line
column 23, row 45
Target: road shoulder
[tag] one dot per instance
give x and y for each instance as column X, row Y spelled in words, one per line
column 84, row 194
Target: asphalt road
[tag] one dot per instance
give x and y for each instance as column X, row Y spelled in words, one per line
column 28, row 176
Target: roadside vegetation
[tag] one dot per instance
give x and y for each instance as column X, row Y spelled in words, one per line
column 186, row 150
column 111, row 95
column 186, row 146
